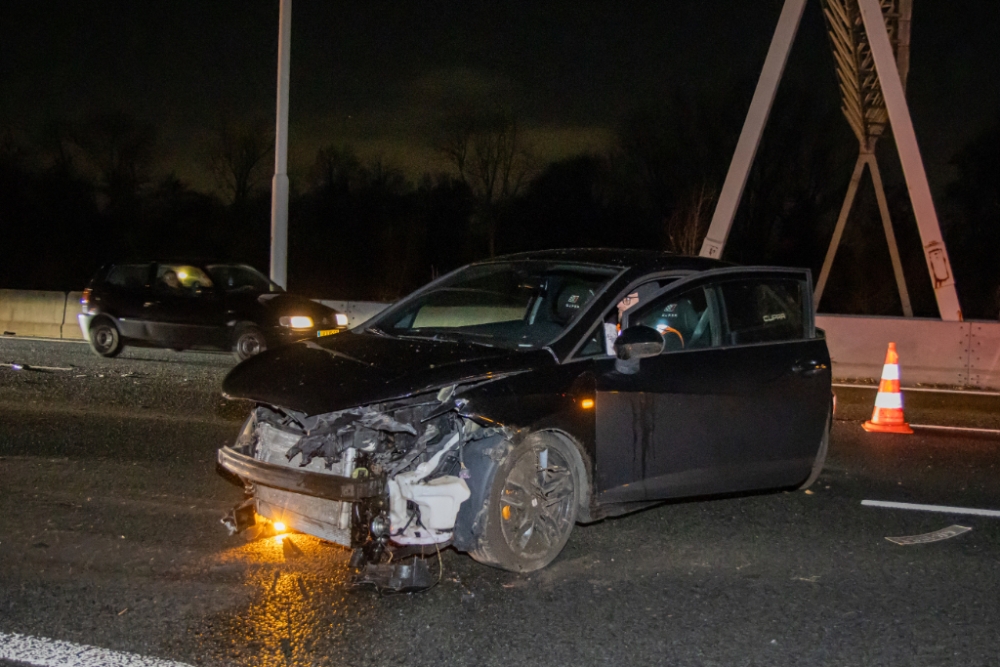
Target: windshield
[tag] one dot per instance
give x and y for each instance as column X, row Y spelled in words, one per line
column 235, row 277
column 523, row 304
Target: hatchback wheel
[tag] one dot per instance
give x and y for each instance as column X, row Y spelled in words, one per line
column 105, row 339
column 532, row 505
column 248, row 341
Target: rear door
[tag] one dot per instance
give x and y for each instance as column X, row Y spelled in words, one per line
column 184, row 310
column 784, row 369
column 123, row 294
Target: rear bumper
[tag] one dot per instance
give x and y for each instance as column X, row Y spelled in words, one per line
column 305, row 482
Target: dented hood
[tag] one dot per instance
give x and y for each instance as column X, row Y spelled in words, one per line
column 351, row 369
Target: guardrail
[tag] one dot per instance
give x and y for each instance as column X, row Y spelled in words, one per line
column 965, row 354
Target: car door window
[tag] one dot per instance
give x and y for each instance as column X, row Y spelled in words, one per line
column 687, row 321
column 181, row 280
column 128, row 277
column 601, row 340
column 763, row 311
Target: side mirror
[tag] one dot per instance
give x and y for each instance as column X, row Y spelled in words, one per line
column 637, row 342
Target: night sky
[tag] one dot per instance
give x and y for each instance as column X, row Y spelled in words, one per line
column 382, row 76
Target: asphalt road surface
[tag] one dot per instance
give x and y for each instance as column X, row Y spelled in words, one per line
column 110, row 538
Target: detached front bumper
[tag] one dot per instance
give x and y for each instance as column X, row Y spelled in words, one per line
column 305, row 482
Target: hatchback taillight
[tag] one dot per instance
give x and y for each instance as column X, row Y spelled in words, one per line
column 85, row 299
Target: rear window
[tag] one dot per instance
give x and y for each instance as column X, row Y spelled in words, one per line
column 764, row 311
column 128, row 276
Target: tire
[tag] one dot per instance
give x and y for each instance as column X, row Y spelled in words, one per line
column 529, row 512
column 104, row 337
column 248, row 340
column 820, row 460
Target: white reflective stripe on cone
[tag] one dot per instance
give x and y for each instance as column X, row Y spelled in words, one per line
column 889, row 401
column 890, row 372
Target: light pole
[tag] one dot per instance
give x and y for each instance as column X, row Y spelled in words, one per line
column 279, row 184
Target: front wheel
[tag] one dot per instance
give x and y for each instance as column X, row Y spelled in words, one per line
column 531, row 505
column 105, row 338
column 248, row 340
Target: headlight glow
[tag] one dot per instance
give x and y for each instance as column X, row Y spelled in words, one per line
column 341, row 320
column 296, row 322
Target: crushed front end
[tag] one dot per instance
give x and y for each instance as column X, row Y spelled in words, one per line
column 386, row 480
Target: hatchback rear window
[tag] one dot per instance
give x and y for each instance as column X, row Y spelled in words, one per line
column 128, row 276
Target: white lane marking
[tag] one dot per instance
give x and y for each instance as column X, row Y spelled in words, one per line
column 930, row 508
column 56, row 653
column 968, row 429
column 929, row 390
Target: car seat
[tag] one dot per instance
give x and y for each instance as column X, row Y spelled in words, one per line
column 677, row 322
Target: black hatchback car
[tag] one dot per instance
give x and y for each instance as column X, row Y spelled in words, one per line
column 503, row 403
column 196, row 305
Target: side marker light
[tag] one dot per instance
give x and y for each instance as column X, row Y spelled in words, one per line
column 587, row 403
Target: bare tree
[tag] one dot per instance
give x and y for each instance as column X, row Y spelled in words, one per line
column 336, row 168
column 238, row 158
column 687, row 224
column 490, row 156
column 120, row 149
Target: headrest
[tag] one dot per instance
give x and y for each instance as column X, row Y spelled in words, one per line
column 571, row 300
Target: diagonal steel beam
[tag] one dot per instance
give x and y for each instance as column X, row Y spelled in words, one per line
column 753, row 128
column 935, row 251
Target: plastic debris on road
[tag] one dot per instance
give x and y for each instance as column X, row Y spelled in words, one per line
column 936, row 536
column 27, row 367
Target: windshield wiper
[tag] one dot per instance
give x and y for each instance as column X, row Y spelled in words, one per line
column 374, row 329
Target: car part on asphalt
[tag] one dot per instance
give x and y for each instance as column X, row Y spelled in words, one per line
column 411, row 575
column 935, row 536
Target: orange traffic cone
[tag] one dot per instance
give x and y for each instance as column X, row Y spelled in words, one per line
column 888, row 414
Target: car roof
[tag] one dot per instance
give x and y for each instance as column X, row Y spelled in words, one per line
column 644, row 260
column 186, row 261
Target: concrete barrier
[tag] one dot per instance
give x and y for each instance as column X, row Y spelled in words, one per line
column 32, row 313
column 965, row 354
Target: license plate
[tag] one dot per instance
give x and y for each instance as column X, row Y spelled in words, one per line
column 327, row 332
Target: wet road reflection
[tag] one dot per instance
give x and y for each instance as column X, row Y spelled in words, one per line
column 297, row 593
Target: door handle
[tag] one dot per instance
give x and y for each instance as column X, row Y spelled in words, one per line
column 808, row 368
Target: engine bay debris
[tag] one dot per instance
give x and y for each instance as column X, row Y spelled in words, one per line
column 410, row 449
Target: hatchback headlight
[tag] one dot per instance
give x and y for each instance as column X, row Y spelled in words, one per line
column 341, row 320
column 296, row 322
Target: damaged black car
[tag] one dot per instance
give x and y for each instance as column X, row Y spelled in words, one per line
column 502, row 404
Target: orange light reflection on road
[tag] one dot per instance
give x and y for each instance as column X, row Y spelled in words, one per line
column 292, row 581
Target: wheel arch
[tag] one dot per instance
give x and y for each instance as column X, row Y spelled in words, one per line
column 483, row 458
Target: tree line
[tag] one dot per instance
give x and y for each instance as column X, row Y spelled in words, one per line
column 86, row 193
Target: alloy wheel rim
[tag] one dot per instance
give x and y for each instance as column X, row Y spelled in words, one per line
column 249, row 345
column 536, row 504
column 104, row 338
